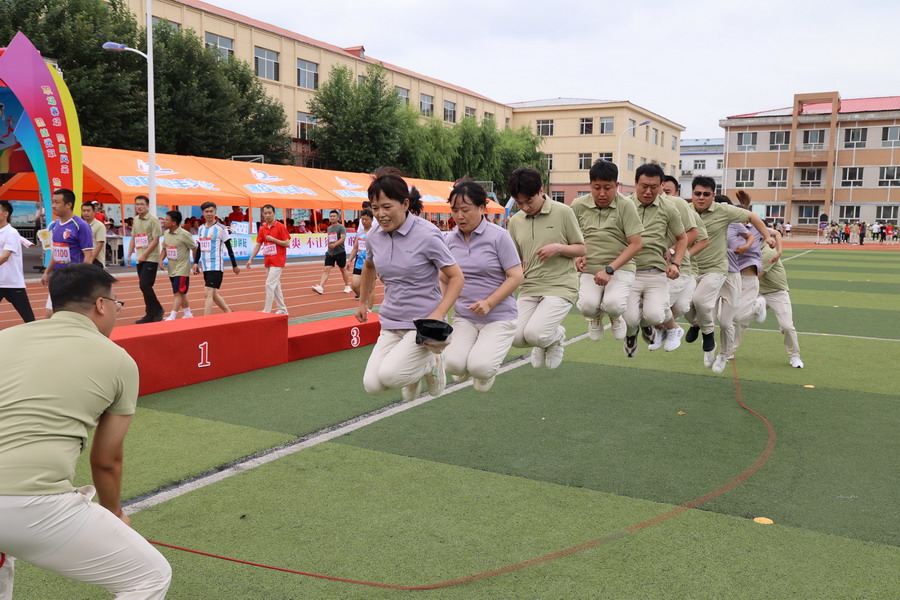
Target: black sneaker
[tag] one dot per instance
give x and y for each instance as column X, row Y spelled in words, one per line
column 649, row 334
column 709, row 341
column 630, row 346
column 691, row 336
column 142, row 320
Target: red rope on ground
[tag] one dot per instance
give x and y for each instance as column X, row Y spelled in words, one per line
column 730, row 485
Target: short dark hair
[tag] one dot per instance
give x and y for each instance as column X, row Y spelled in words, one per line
column 393, row 187
column 68, row 195
column 649, row 170
column 206, row 205
column 269, row 206
column 142, row 197
column 472, row 190
column 704, row 181
column 366, row 204
column 6, row 207
column 525, row 181
column 334, row 212
column 366, row 212
column 79, row 283
column 604, row 170
column 89, row 205
column 175, row 216
column 670, row 179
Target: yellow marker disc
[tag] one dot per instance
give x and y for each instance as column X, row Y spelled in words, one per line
column 809, row 386
column 681, row 412
column 763, row 520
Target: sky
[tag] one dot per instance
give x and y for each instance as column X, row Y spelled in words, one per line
column 693, row 62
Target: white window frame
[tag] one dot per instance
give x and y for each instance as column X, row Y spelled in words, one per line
column 586, row 126
column 266, row 63
column 744, row 178
column 307, row 74
column 848, row 212
column 779, row 140
column 699, row 164
column 811, row 142
column 889, row 176
column 544, row 127
column 746, row 141
column 805, row 219
column 631, row 162
column 855, row 137
column 558, row 196
column 777, row 178
column 449, row 111
column 607, row 156
column 471, row 112
column 807, row 181
column 549, row 161
column 403, row 93
column 847, row 180
column 215, row 41
column 674, row 142
column 720, row 163
column 306, row 122
column 887, row 213
column 890, row 136
column 607, row 125
column 584, row 161
column 426, row 105
column 775, row 211
column 655, row 136
column 632, row 126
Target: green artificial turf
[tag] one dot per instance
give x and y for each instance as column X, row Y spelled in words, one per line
column 360, row 514
column 831, row 285
column 883, row 324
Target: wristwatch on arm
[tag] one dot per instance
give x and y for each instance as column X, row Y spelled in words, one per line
column 609, row 270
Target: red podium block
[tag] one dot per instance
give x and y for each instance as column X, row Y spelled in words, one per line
column 331, row 335
column 172, row 354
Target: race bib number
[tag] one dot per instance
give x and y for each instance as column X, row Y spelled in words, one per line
column 172, row 252
column 268, row 249
column 141, row 240
column 332, row 238
column 61, row 253
column 361, row 244
column 205, row 244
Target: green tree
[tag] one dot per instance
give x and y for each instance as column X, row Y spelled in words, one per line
column 517, row 148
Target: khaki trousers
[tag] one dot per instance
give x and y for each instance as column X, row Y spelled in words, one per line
column 396, row 361
column 703, row 302
column 647, row 300
column 478, row 349
column 729, row 299
column 273, row 290
column 612, row 299
column 539, row 321
column 749, row 294
column 780, row 303
column 680, row 292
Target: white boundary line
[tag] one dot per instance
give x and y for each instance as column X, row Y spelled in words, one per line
column 840, row 335
column 795, row 256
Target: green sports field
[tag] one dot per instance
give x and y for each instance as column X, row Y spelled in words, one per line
column 548, row 460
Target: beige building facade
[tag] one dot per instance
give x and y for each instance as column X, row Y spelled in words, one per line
column 823, row 156
column 577, row 131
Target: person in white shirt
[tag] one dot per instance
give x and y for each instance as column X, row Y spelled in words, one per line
column 12, row 280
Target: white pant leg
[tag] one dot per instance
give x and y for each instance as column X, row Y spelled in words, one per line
column 456, row 354
column 632, row 312
column 7, row 574
column 539, row 321
column 273, row 289
column 590, row 295
column 749, row 293
column 73, row 537
column 680, row 292
column 655, row 298
column 396, row 361
column 491, row 347
column 704, row 301
column 616, row 296
column 729, row 298
column 780, row 303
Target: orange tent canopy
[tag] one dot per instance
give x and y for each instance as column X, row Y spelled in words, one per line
column 351, row 188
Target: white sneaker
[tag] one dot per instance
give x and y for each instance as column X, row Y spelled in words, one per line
column 538, row 358
column 759, row 309
column 483, row 385
column 719, row 364
column 673, row 339
column 281, row 312
column 348, row 289
column 618, row 328
column 411, row 391
column 460, row 378
column 709, row 358
column 437, row 378
column 796, row 362
column 595, row 329
column 187, row 315
column 318, row 289
column 171, row 316
column 658, row 339
column 553, row 354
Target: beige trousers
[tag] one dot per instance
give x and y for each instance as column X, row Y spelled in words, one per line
column 396, row 361
column 680, row 292
column 780, row 303
column 729, row 299
column 273, row 290
column 539, row 321
column 744, row 314
column 611, row 299
column 478, row 349
column 647, row 300
column 703, row 302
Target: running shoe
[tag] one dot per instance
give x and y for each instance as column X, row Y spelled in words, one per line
column 673, row 339
column 709, row 341
column 538, row 358
column 659, row 336
column 759, row 309
column 411, row 392
column 709, row 358
column 595, row 329
column 692, row 333
column 483, row 385
column 796, row 362
column 618, row 328
column 630, row 346
column 437, row 377
column 348, row 289
column 719, row 364
column 318, row 289
column 648, row 334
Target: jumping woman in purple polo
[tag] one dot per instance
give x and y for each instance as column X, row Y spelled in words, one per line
column 485, row 320
column 407, row 253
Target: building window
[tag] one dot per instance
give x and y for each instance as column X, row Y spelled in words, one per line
column 449, row 111
column 306, row 122
column 662, row 138
column 223, row 45
column 607, row 125
column 674, row 142
column 307, row 74
column 814, row 139
column 655, row 136
column 890, row 137
column 849, row 213
column 662, row 166
column 643, row 161
column 426, row 104
column 889, row 176
column 584, row 161
column 558, row 196
column 699, row 164
column 607, row 156
column 360, row 79
column 631, row 162
column 777, row 178
column 545, row 127
column 779, row 140
column 403, row 93
column 265, row 63
column 470, row 112
column 507, row 122
column 743, row 178
column 811, row 178
column 586, row 126
column 809, row 214
column 632, row 125
column 672, row 171
column 887, row 213
column 646, row 133
column 488, row 116
column 549, row 159
column 746, row 141
column 720, row 163
column 851, row 176
column 175, row 26
column 856, row 137
column 775, row 211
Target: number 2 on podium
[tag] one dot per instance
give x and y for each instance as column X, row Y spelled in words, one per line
column 204, row 355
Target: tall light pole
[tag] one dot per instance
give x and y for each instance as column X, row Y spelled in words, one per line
column 151, row 106
column 619, row 146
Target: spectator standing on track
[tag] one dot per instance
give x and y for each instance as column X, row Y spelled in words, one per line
column 146, row 233
column 12, row 279
column 178, row 245
column 408, row 253
column 485, row 319
column 45, row 416
column 98, row 231
column 273, row 240
column 862, row 233
column 208, row 256
column 358, row 254
column 72, row 238
column 787, row 229
column 335, row 253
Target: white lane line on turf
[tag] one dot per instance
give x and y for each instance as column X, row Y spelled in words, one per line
column 795, row 256
column 154, row 498
column 841, row 335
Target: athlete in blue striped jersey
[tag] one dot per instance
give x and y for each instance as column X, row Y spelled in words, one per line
column 213, row 236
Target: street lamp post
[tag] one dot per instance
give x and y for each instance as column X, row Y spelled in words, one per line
column 151, row 106
column 619, row 146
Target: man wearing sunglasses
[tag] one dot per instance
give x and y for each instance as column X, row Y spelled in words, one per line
column 712, row 263
column 45, row 417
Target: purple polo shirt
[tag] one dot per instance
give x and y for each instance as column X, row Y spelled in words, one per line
column 407, row 261
column 76, row 235
column 753, row 256
column 484, row 261
column 750, row 258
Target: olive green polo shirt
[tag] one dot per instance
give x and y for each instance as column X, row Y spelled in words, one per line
column 59, row 376
column 714, row 258
column 606, row 230
column 690, row 220
column 150, row 227
column 554, row 224
column 662, row 224
column 178, row 247
column 774, row 277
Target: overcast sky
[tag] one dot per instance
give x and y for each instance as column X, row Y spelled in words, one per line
column 694, row 61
